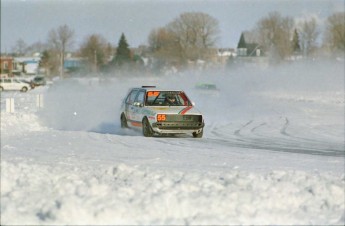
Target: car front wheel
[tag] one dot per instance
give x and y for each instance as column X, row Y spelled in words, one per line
column 24, row 89
column 198, row 135
column 147, row 130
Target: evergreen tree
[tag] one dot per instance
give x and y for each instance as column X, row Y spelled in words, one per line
column 296, row 42
column 44, row 59
column 242, row 43
column 123, row 53
column 48, row 62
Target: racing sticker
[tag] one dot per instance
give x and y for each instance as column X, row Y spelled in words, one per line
column 161, row 117
column 136, row 124
column 148, row 112
column 184, row 110
column 153, row 93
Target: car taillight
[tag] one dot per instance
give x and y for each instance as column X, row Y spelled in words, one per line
column 161, row 117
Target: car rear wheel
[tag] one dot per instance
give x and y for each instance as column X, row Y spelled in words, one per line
column 123, row 121
column 1, row 89
column 198, row 135
column 147, row 130
column 24, row 89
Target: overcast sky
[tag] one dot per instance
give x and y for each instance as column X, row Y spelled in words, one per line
column 31, row 20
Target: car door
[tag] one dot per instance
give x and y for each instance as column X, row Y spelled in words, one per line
column 16, row 85
column 129, row 108
column 8, row 84
column 138, row 106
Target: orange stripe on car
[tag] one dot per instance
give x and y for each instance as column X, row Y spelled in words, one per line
column 184, row 111
column 137, row 124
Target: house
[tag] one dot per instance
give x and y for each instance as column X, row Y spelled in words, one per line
column 73, row 64
column 250, row 52
column 223, row 55
column 248, row 49
column 26, row 65
column 6, row 66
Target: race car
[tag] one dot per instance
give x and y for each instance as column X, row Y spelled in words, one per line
column 159, row 112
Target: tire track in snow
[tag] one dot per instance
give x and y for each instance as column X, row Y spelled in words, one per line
column 286, row 125
column 292, row 148
column 284, row 132
column 256, row 127
column 287, row 143
column 238, row 132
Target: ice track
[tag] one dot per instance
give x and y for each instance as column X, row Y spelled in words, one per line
column 273, row 137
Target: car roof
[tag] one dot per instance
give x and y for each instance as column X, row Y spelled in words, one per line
column 154, row 88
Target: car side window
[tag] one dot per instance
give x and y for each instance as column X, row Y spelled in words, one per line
column 140, row 97
column 131, row 97
column 7, row 80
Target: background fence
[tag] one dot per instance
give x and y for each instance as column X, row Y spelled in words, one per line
column 12, row 102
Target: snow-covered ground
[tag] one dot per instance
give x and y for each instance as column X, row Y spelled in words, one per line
column 272, row 153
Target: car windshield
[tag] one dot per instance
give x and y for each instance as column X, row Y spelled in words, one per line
column 167, row 98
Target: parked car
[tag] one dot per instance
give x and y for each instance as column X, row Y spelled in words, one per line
column 13, row 84
column 158, row 112
column 207, row 89
column 38, row 81
column 206, row 86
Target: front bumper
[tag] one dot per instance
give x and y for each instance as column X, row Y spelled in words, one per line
column 177, row 127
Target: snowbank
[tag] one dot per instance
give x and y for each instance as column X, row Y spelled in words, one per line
column 121, row 194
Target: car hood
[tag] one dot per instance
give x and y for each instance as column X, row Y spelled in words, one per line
column 176, row 110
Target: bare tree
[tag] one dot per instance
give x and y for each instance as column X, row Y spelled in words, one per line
column 95, row 50
column 164, row 45
column 195, row 33
column 61, row 39
column 335, row 32
column 20, row 48
column 37, row 47
column 275, row 33
column 188, row 37
column 308, row 35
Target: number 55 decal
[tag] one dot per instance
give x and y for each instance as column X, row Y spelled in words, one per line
column 161, row 117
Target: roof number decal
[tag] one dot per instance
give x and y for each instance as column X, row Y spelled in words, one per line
column 152, row 93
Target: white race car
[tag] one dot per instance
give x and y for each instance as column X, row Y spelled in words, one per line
column 161, row 112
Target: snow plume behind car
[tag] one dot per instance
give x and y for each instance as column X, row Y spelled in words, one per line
column 92, row 104
column 73, row 105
